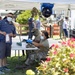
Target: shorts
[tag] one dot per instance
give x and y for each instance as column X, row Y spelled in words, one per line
column 8, row 50
column 2, row 50
column 5, row 50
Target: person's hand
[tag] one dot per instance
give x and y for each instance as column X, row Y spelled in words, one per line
column 29, row 41
column 4, row 33
column 11, row 34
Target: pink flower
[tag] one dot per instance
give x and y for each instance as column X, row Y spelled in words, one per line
column 48, row 59
column 72, row 55
column 73, row 45
column 63, row 43
column 56, row 46
column 52, row 45
column 69, row 44
column 66, row 70
column 72, row 39
column 55, row 52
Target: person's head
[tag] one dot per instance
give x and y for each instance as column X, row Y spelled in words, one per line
column 0, row 18
column 9, row 17
column 44, row 35
column 66, row 18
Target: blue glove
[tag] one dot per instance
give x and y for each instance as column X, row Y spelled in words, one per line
column 29, row 41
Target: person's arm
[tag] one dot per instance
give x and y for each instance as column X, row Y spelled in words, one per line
column 2, row 32
column 37, row 44
column 12, row 35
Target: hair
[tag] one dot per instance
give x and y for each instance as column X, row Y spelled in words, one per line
column 45, row 33
column 11, row 13
column 0, row 18
column 66, row 18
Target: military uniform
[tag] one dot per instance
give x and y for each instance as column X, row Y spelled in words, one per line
column 37, row 34
column 39, row 54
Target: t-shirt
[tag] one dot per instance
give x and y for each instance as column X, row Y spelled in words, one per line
column 8, row 28
column 45, row 44
column 65, row 25
column 38, row 24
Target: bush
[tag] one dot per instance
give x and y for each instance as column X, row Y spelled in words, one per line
column 23, row 17
column 62, row 60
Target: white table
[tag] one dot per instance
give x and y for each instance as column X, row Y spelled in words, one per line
column 17, row 47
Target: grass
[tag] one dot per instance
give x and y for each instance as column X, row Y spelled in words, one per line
column 13, row 61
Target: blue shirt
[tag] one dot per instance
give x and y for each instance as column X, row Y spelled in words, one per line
column 8, row 28
column 31, row 23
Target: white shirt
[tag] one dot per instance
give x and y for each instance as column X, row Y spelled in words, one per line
column 38, row 24
column 65, row 24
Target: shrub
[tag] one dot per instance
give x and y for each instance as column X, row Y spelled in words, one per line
column 23, row 17
column 62, row 59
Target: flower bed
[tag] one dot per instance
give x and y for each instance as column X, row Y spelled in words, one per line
column 60, row 60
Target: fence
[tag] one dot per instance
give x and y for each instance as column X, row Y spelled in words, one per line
column 21, row 29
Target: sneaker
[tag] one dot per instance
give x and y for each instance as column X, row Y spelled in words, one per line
column 1, row 68
column 1, row 72
column 5, row 68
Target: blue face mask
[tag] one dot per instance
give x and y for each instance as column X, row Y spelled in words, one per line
column 42, row 37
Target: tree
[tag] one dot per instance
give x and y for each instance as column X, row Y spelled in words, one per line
column 23, row 17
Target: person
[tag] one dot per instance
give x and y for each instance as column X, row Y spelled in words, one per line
column 31, row 26
column 43, row 46
column 60, row 23
column 7, row 31
column 37, row 39
column 65, row 27
column 0, row 18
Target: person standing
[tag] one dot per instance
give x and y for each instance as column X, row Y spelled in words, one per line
column 65, row 27
column 31, row 26
column 7, row 31
column 0, row 18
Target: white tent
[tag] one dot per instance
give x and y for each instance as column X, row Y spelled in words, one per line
column 29, row 4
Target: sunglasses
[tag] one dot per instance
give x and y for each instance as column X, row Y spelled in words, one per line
column 10, row 16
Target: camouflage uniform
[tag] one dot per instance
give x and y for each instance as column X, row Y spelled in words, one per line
column 39, row 54
column 37, row 34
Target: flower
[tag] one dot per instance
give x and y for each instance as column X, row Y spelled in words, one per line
column 30, row 72
column 48, row 59
column 55, row 52
column 72, row 55
column 61, row 59
column 66, row 70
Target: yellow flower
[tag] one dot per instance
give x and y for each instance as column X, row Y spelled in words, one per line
column 30, row 72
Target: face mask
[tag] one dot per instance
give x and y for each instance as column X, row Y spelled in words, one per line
column 9, row 19
column 42, row 37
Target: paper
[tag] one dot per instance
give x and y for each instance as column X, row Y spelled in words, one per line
column 7, row 38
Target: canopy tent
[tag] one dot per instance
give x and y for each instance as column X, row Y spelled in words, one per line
column 18, row 5
column 29, row 4
column 59, row 5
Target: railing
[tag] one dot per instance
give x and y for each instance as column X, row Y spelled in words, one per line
column 53, row 30
column 21, row 29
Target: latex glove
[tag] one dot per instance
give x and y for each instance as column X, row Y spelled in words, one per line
column 29, row 41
